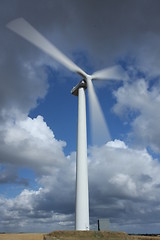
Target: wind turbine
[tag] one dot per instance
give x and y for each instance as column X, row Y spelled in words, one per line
column 25, row 30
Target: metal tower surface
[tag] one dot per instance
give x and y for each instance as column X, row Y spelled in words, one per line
column 82, row 199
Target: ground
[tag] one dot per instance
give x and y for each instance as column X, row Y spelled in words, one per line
column 22, row 236
column 76, row 235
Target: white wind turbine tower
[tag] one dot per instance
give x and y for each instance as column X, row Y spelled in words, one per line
column 25, row 30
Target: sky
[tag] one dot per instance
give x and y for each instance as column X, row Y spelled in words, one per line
column 38, row 115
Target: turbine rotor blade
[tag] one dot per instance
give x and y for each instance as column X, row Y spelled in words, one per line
column 114, row 73
column 99, row 130
column 25, row 30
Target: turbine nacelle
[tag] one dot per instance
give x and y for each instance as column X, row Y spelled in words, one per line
column 81, row 84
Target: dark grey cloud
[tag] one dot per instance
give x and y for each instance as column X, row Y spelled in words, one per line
column 9, row 175
column 105, row 30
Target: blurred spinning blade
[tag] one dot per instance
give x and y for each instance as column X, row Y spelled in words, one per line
column 99, row 130
column 25, row 30
column 112, row 73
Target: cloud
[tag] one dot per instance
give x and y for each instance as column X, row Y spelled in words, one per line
column 125, row 190
column 19, row 214
column 106, row 31
column 120, row 29
column 25, row 142
column 141, row 101
column 10, row 176
column 127, row 182
column 23, row 80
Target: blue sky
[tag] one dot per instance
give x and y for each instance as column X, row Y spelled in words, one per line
column 38, row 115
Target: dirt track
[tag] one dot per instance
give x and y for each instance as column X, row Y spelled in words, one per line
column 21, row 236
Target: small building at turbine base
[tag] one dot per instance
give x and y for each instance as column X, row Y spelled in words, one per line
column 103, row 224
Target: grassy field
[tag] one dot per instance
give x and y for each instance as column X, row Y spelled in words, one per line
column 145, row 238
column 86, row 235
column 93, row 235
column 75, row 235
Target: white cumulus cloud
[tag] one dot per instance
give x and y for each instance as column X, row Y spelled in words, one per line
column 139, row 103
